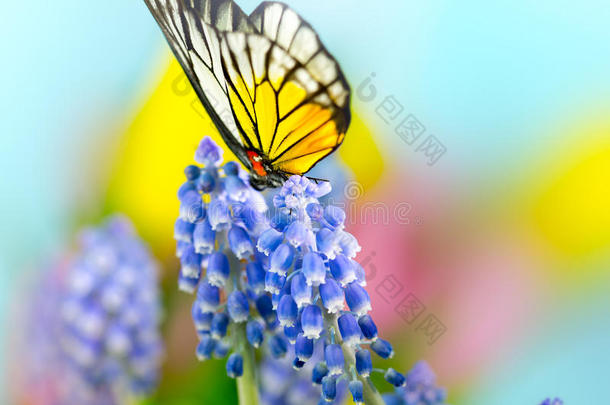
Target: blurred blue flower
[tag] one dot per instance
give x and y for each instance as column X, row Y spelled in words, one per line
column 97, row 317
column 419, row 387
column 552, row 401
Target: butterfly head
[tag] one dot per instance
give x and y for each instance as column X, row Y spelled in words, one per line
column 271, row 180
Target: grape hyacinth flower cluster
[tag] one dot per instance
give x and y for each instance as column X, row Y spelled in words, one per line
column 311, row 275
column 284, row 282
column 420, row 388
column 221, row 217
column 102, row 316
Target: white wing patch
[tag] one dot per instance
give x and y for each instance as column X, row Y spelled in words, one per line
column 288, row 28
column 295, row 36
column 259, row 48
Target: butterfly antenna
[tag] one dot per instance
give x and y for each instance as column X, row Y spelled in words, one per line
column 317, row 180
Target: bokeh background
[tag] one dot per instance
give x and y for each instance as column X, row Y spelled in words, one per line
column 504, row 240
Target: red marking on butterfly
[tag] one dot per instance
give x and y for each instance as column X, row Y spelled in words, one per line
column 257, row 163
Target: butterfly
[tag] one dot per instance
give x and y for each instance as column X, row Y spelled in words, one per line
column 275, row 94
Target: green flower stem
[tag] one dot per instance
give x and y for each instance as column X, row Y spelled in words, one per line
column 370, row 393
column 247, row 385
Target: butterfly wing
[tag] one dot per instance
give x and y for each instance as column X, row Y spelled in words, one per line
column 289, row 96
column 266, row 80
column 193, row 29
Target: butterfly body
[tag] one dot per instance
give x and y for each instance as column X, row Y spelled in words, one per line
column 262, row 174
column 257, row 163
column 277, row 97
